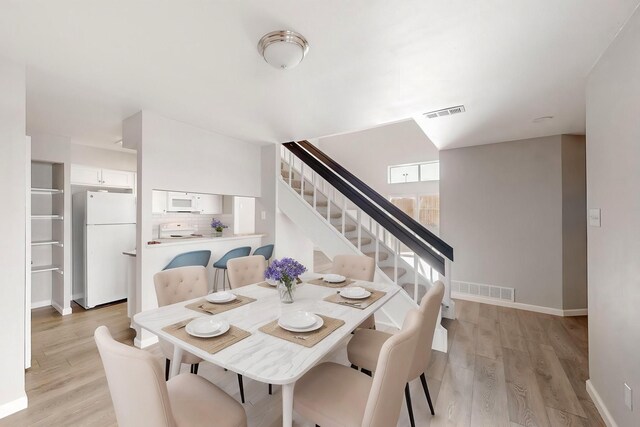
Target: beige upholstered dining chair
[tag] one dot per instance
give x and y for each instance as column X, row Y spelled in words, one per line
column 246, row 270
column 335, row 395
column 141, row 398
column 364, row 349
column 357, row 267
column 177, row 285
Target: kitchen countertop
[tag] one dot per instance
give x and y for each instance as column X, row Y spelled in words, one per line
column 204, row 239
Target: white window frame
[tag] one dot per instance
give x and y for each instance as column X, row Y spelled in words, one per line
column 418, row 166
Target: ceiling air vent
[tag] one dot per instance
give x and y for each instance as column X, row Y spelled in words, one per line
column 445, row 112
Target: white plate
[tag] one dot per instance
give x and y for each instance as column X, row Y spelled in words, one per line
column 355, row 293
column 220, row 297
column 317, row 325
column 334, row 278
column 204, row 327
column 298, row 319
column 273, row 283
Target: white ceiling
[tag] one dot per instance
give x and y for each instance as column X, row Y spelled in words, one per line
column 91, row 64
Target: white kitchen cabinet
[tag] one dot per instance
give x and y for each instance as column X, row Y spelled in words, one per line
column 115, row 178
column 86, row 175
column 210, row 204
column 158, row 202
column 98, row 177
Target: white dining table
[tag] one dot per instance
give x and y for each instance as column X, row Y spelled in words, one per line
column 263, row 357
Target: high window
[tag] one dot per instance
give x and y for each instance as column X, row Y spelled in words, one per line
column 415, row 172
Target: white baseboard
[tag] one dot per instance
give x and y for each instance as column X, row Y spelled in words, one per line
column 40, row 304
column 14, row 406
column 64, row 311
column 600, row 406
column 521, row 306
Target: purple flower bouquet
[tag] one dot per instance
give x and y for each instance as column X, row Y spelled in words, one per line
column 285, row 271
column 217, row 225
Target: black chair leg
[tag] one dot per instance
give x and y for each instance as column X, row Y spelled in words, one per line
column 270, row 389
column 366, row 371
column 194, row 368
column 423, row 379
column 241, row 385
column 354, row 367
column 407, row 395
column 167, row 366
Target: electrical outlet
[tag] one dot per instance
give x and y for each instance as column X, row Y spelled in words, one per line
column 594, row 217
column 628, row 396
column 263, row 215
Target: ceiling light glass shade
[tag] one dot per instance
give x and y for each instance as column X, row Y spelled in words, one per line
column 283, row 49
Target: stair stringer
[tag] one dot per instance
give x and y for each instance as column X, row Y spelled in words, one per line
column 333, row 243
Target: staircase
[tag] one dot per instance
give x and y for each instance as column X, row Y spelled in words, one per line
column 309, row 193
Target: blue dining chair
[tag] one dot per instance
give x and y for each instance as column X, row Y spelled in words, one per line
column 266, row 251
column 190, row 258
column 221, row 264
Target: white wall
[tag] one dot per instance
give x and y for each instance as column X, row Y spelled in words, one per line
column 368, row 153
column 13, row 176
column 502, row 211
column 177, row 156
column 613, row 182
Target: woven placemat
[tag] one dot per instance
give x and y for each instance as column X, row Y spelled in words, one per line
column 210, row 345
column 356, row 303
column 307, row 339
column 206, row 307
column 266, row 285
column 321, row 282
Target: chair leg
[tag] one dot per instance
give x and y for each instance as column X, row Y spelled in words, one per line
column 194, row 368
column 423, row 379
column 407, row 395
column 270, row 389
column 167, row 367
column 215, row 280
column 354, row 367
column 366, row 371
column 241, row 385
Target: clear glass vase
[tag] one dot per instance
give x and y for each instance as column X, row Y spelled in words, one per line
column 286, row 292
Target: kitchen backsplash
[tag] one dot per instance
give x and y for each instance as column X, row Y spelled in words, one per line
column 202, row 223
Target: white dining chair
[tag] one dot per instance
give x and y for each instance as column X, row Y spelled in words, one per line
column 142, row 398
column 333, row 395
column 177, row 285
column 356, row 267
column 364, row 349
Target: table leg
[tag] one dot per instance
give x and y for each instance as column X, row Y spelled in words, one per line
column 287, row 404
column 176, row 361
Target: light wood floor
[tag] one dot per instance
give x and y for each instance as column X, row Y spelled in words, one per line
column 505, row 367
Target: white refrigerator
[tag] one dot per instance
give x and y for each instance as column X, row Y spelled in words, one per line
column 104, row 226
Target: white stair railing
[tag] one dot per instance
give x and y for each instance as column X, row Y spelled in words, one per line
column 377, row 237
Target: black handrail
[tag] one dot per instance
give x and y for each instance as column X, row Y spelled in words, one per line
column 434, row 259
column 435, row 241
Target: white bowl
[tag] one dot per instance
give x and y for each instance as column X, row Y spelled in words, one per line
column 355, row 293
column 317, row 325
column 334, row 278
column 220, row 297
column 205, row 327
column 298, row 319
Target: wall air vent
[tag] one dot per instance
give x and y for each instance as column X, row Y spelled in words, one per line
column 445, row 112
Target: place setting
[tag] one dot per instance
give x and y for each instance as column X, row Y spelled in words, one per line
column 302, row 327
column 207, row 333
column 219, row 302
column 355, row 296
column 332, row 281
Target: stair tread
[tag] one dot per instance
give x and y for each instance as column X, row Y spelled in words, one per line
column 389, row 271
column 363, row 241
column 382, row 256
column 347, row 227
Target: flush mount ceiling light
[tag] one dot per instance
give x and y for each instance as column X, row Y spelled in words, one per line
column 283, row 49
